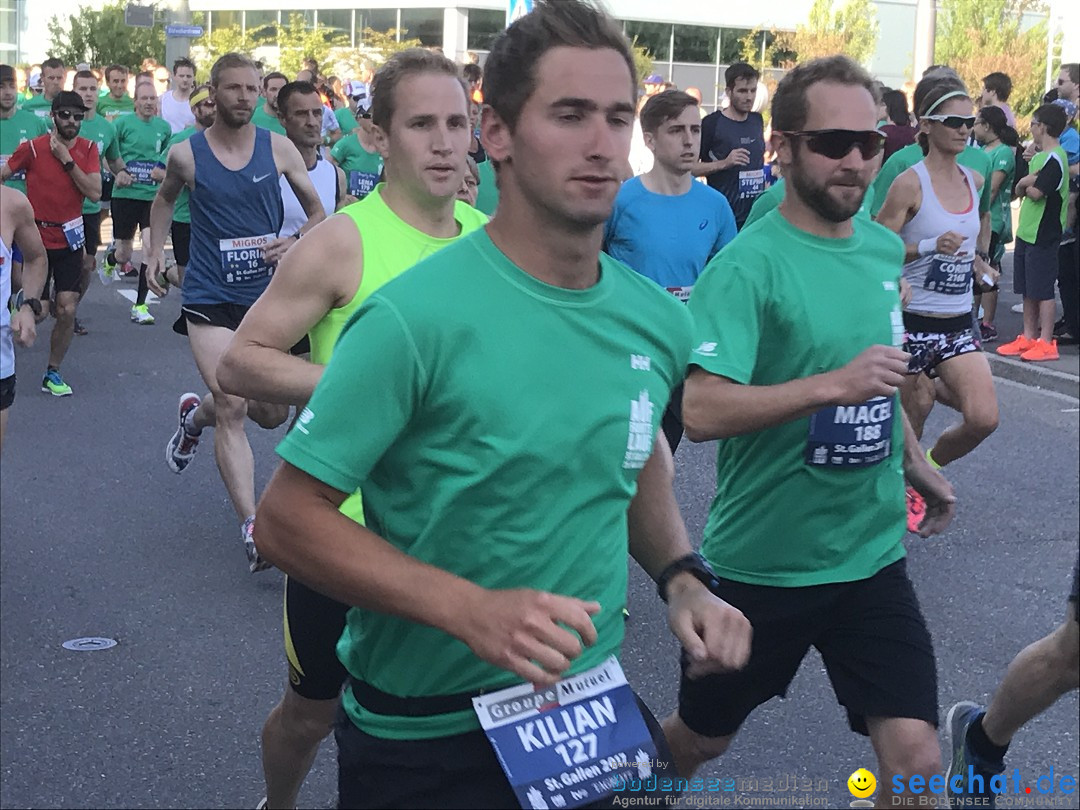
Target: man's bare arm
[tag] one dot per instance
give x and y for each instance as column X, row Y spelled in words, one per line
column 179, row 172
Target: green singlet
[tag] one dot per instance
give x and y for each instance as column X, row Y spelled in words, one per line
column 261, row 119
column 101, row 132
column 362, row 168
column 774, row 195
column 806, row 502
column 22, row 126
column 182, row 209
column 903, row 159
column 498, row 425
column 142, row 146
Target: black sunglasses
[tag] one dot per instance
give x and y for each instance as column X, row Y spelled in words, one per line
column 952, row 121
column 65, row 115
column 836, row 144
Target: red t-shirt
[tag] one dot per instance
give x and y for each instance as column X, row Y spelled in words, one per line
column 50, row 189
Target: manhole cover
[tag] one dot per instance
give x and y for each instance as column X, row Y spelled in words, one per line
column 90, row 643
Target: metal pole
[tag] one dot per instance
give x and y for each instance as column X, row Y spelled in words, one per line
column 925, row 31
column 177, row 47
column 1051, row 31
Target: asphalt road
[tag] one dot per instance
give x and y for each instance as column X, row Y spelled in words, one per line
column 100, row 539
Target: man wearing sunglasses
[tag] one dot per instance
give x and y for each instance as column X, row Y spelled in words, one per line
column 61, row 169
column 797, row 366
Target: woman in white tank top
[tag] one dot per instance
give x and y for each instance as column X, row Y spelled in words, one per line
column 934, row 207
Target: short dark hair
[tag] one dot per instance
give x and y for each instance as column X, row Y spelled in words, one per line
column 51, row 63
column 84, row 74
column 896, row 107
column 112, row 68
column 1053, row 118
column 7, row 73
column 401, row 65
column 293, row 89
column 663, row 107
column 183, row 61
column 472, row 72
column 1073, row 70
column 511, row 65
column 790, row 108
column 740, row 70
column 999, row 83
column 227, row 62
column 269, row 77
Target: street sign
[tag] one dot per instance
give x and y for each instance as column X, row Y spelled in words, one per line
column 139, row 16
column 516, row 9
column 189, row 31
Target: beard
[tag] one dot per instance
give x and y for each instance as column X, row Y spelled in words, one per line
column 816, row 197
column 232, row 119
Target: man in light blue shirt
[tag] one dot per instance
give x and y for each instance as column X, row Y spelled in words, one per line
column 664, row 225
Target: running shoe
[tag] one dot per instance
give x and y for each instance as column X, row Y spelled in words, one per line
column 141, row 315
column 916, row 510
column 1017, row 347
column 129, row 271
column 78, row 328
column 989, row 332
column 53, row 383
column 255, row 562
column 1040, row 351
column 107, row 270
column 181, row 447
column 974, row 772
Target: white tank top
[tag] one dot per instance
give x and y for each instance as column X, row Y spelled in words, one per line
column 941, row 284
column 7, row 348
column 177, row 113
column 324, row 178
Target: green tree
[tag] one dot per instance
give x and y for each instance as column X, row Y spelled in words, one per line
column 977, row 37
column 851, row 30
column 100, row 37
column 378, row 46
column 223, row 40
column 643, row 60
column 298, row 41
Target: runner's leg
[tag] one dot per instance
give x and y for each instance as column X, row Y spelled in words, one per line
column 969, row 377
column 904, row 747
column 63, row 328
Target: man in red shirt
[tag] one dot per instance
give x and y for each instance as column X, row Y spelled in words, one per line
column 61, row 168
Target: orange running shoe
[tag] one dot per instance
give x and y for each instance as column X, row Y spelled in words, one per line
column 1041, row 350
column 1016, row 347
column 916, row 510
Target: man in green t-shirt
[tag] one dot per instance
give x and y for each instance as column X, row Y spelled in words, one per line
column 796, row 370
column 266, row 114
column 359, row 158
column 16, row 125
column 142, row 139
column 116, row 102
column 52, row 82
column 359, row 252
column 500, row 403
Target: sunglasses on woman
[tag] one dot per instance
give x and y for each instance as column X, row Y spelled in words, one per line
column 836, row 144
column 67, row 115
column 952, row 121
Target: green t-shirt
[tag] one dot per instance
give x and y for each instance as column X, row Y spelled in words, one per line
column 771, row 197
column 22, row 126
column 803, row 503
column 487, row 193
column 41, row 107
column 270, row 122
column 362, row 168
column 1030, row 226
column 503, row 425
column 182, row 209
column 346, row 120
column 900, row 161
column 142, row 146
column 101, row 132
column 114, row 109
column 1002, row 159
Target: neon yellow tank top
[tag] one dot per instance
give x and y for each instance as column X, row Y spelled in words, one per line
column 390, row 248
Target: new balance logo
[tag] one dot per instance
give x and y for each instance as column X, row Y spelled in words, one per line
column 640, row 362
column 304, row 420
column 706, row 349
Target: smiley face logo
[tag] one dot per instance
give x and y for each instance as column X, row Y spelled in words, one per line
column 862, row 783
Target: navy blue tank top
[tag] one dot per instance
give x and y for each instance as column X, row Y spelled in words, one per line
column 233, row 216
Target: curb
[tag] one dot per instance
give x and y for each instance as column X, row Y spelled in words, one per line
column 1034, row 375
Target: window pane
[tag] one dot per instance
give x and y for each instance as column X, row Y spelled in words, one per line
column 425, row 24
column 695, row 43
column 731, row 44
column 337, row 19
column 308, row 15
column 654, row 37
column 377, row 19
column 257, row 23
column 223, row 19
column 484, row 26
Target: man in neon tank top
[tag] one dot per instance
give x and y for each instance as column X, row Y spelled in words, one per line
column 409, row 217
column 527, row 373
column 232, row 170
column 934, row 207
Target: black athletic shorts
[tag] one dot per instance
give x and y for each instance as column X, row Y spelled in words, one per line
column 1035, row 270
column 870, row 633
column 129, row 216
column 313, row 623
column 461, row 771
column 7, row 392
column 65, row 270
column 92, row 229
column 181, row 242
column 932, row 341
column 106, row 190
column 227, row 316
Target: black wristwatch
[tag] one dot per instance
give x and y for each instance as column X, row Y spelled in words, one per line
column 34, row 304
column 693, row 564
column 69, row 165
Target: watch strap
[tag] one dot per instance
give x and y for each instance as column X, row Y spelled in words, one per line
column 693, row 564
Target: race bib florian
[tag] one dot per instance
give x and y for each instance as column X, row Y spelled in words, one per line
column 949, row 275
column 570, row 744
column 847, row 437
column 242, row 259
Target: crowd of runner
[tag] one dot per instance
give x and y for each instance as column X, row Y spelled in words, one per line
column 485, row 313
